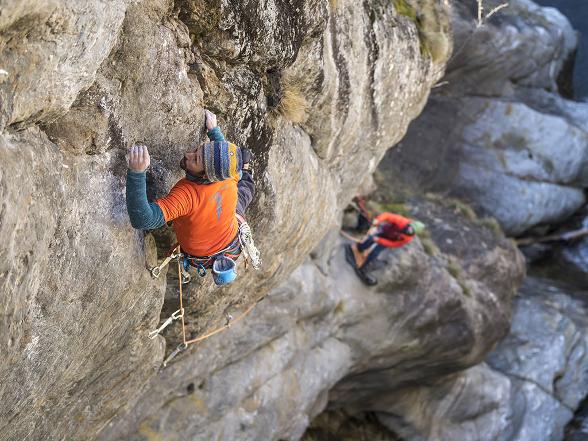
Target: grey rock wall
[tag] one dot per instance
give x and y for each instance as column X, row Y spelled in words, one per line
column 522, row 45
column 528, row 389
column 318, row 90
column 550, row 370
column 496, row 133
column 51, row 52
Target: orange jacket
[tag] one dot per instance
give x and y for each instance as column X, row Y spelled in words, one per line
column 203, row 215
column 397, row 223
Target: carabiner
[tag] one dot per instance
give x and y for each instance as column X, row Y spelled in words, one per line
column 176, row 315
column 181, row 347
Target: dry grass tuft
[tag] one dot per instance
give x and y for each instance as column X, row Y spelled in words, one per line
column 431, row 19
column 429, row 246
column 289, row 98
column 394, row 207
column 293, row 105
column 454, row 268
column 492, row 224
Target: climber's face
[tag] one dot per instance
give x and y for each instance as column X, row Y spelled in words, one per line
column 193, row 161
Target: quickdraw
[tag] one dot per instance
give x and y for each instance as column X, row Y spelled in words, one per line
column 181, row 347
column 176, row 315
column 175, row 254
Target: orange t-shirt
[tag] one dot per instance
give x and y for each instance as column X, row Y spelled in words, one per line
column 203, row 215
column 399, row 222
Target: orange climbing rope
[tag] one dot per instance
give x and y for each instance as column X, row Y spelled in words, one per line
column 176, row 253
column 227, row 326
column 181, row 295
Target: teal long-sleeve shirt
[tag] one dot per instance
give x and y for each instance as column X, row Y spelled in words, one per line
column 145, row 215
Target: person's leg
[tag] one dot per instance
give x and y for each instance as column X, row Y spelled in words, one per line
column 359, row 250
column 363, row 223
column 367, row 242
column 245, row 192
column 373, row 255
column 363, row 270
column 355, row 255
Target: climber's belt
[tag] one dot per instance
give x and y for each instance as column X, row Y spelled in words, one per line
column 232, row 251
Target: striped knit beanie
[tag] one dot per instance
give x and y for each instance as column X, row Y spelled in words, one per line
column 222, row 160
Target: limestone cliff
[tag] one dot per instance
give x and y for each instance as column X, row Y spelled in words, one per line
column 318, row 90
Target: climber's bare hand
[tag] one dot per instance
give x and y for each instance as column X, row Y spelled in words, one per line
column 139, row 158
column 210, row 119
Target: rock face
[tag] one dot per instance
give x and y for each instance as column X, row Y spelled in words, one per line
column 323, row 336
column 318, row 90
column 550, row 370
column 508, row 146
column 528, row 390
column 474, row 404
column 51, row 51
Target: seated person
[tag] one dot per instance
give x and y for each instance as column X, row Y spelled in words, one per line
column 388, row 230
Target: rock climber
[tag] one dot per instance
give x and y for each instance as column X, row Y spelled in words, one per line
column 207, row 207
column 388, row 230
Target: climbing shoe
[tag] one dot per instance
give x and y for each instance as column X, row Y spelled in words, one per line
column 249, row 248
column 361, row 273
column 365, row 277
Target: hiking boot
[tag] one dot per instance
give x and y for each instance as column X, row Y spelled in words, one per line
column 365, row 277
column 248, row 245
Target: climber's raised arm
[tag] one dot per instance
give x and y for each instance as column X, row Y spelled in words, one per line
column 144, row 215
column 213, row 130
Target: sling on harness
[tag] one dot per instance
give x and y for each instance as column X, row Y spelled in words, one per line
column 251, row 252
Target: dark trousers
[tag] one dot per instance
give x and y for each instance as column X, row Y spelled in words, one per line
column 373, row 255
column 245, row 192
column 363, row 223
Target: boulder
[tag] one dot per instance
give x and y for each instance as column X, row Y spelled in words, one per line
column 529, row 169
column 528, row 389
